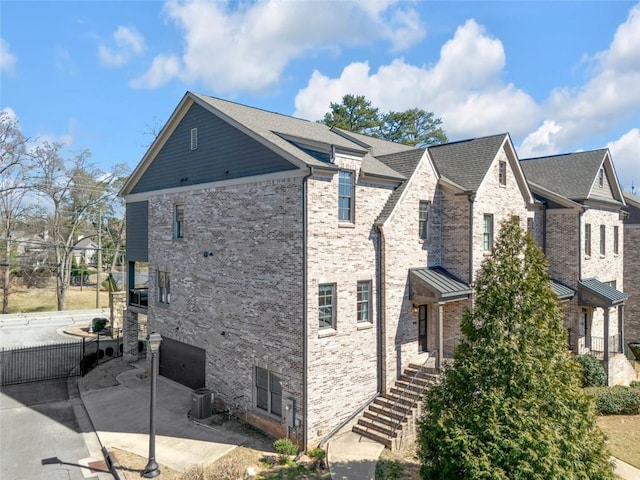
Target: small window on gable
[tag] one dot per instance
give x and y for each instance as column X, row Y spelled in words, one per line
column 178, row 225
column 487, row 233
column 601, row 177
column 423, row 220
column 346, row 196
column 502, row 172
column 194, row 138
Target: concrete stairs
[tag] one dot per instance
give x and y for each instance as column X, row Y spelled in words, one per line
column 391, row 418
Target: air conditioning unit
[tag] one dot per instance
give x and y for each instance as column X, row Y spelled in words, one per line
column 201, row 403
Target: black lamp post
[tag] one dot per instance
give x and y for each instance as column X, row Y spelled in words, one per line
column 152, row 470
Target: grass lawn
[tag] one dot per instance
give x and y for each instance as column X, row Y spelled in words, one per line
column 44, row 299
column 623, row 432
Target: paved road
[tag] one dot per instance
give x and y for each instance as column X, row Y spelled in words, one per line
column 27, row 329
column 45, row 434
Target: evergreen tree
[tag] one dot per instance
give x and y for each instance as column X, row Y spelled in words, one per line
column 511, row 406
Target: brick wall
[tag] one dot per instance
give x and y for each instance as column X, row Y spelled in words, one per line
column 239, row 302
column 342, row 363
column 632, row 282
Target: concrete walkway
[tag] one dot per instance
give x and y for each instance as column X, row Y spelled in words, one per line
column 626, row 471
column 353, row 457
column 120, row 417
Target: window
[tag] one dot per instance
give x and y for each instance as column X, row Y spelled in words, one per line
column 601, row 177
column 178, row 222
column 587, row 239
column 502, row 172
column 364, row 302
column 423, row 219
column 487, row 233
column 346, row 191
column 164, row 288
column 194, row 138
column 616, row 244
column 326, row 306
column 268, row 392
column 530, row 225
column 603, row 240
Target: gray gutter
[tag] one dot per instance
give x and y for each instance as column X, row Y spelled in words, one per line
column 305, row 360
column 471, row 197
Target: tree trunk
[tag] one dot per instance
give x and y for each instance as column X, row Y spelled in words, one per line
column 6, row 278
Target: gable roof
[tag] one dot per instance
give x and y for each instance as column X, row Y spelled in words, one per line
column 571, row 175
column 633, row 209
column 404, row 163
column 376, row 146
column 466, row 162
column 278, row 132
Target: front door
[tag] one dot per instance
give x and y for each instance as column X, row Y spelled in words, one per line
column 422, row 328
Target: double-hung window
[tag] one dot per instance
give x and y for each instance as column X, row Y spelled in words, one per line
column 616, row 241
column 346, row 196
column 268, row 391
column 164, row 288
column 587, row 239
column 423, row 219
column 603, row 240
column 364, row 302
column 178, row 221
column 327, row 306
column 487, row 232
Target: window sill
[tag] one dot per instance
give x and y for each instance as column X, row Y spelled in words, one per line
column 364, row 326
column 603, row 256
column 327, row 332
column 587, row 257
column 346, row 225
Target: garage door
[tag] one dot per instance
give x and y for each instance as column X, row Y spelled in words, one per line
column 182, row 363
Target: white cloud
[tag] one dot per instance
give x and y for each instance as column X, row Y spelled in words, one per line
column 7, row 59
column 609, row 94
column 625, row 152
column 464, row 88
column 128, row 43
column 248, row 46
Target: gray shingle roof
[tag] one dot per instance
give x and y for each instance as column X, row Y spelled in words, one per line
column 404, row 163
column 633, row 209
column 467, row 162
column 269, row 124
column 570, row 175
column 377, row 146
column 439, row 281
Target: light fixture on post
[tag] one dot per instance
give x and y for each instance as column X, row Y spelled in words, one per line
column 152, row 469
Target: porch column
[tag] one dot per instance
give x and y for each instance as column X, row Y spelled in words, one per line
column 606, row 342
column 621, row 327
column 439, row 334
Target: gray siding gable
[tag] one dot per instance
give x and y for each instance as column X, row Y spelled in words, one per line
column 137, row 231
column 223, row 153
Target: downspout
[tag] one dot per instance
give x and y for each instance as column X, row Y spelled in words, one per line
column 471, row 197
column 382, row 323
column 544, row 228
column 305, row 361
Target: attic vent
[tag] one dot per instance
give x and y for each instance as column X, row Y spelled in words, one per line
column 194, row 138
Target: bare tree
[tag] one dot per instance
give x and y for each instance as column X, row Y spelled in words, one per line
column 73, row 190
column 12, row 192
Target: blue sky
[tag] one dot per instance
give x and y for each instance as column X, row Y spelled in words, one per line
column 101, row 75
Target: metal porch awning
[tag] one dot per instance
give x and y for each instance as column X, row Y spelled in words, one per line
column 561, row 291
column 435, row 284
column 594, row 293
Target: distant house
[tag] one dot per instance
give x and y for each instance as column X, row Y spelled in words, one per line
column 632, row 267
column 581, row 212
column 84, row 252
column 303, row 273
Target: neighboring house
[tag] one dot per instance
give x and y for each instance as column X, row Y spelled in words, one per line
column 581, row 219
column 84, row 251
column 632, row 268
column 299, row 271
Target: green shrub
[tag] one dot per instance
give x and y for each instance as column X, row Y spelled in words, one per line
column 593, row 374
column 635, row 384
column 285, row 448
column 317, row 455
column 617, row 400
column 99, row 324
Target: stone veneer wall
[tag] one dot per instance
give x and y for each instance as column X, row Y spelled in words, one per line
column 342, row 362
column 632, row 282
column 242, row 302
